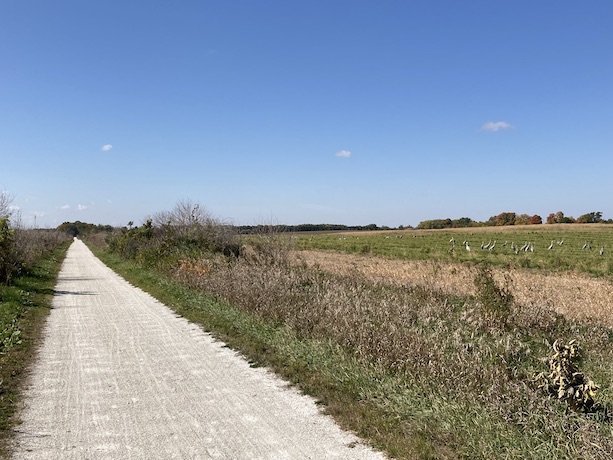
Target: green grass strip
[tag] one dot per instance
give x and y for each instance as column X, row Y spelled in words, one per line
column 24, row 307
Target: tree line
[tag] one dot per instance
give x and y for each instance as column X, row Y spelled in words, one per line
column 511, row 218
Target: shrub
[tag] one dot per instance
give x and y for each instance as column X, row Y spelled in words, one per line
column 7, row 251
column 186, row 231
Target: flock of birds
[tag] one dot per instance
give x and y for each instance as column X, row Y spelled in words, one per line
column 528, row 246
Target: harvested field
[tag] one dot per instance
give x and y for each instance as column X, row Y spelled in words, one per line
column 571, row 294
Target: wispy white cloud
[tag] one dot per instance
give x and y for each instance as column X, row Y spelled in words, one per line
column 81, row 207
column 343, row 154
column 494, row 126
column 66, row 206
column 106, row 147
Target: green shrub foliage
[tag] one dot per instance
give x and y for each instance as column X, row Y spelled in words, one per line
column 7, row 250
column 185, row 231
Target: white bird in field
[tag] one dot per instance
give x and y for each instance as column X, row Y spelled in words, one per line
column 550, row 246
column 467, row 247
column 601, row 252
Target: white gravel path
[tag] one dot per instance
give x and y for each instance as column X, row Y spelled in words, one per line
column 120, row 376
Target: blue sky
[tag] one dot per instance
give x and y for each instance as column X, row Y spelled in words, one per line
column 270, row 111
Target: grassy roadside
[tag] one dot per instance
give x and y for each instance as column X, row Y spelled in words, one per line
column 321, row 369
column 464, row 392
column 24, row 307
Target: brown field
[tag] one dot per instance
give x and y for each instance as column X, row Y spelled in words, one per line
column 573, row 295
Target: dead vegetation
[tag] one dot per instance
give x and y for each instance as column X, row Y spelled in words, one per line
column 571, row 294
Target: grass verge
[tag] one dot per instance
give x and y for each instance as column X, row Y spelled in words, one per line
column 24, row 307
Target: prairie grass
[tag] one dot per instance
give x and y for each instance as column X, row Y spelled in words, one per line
column 462, row 369
column 573, row 294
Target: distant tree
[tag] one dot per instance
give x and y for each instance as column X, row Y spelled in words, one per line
column 536, row 220
column 504, row 218
column 559, row 218
column 436, row 224
column 522, row 219
column 590, row 218
column 463, row 222
column 5, row 204
column 82, row 228
column 447, row 223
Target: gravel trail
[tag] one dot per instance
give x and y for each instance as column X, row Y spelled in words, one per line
column 120, row 376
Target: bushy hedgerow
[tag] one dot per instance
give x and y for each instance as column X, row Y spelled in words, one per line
column 187, row 230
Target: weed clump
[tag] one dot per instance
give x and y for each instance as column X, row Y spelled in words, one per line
column 495, row 301
column 565, row 382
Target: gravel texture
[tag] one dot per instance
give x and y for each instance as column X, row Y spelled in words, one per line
column 120, row 376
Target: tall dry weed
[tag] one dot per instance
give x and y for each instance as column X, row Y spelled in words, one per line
column 479, row 347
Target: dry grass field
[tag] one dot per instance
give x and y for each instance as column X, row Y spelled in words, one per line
column 574, row 295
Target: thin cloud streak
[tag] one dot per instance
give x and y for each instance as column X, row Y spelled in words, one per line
column 494, row 126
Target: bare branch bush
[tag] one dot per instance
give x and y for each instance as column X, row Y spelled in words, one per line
column 20, row 248
column 186, row 231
